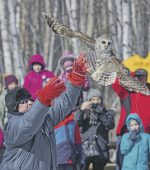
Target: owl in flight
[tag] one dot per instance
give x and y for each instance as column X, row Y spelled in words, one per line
column 104, row 67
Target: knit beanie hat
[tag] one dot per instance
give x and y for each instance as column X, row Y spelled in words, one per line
column 66, row 60
column 93, row 93
column 10, row 79
column 14, row 96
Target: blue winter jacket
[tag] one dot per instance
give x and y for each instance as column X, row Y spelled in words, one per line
column 29, row 138
column 136, row 153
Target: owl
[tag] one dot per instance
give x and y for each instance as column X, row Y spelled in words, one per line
column 103, row 66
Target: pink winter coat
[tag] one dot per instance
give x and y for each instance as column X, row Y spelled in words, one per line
column 33, row 81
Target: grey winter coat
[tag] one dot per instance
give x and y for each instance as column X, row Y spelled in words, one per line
column 29, row 137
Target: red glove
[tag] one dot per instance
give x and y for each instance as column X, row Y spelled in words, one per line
column 52, row 90
column 79, row 70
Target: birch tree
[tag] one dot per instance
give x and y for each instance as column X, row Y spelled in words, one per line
column 14, row 45
column 72, row 11
column 126, row 28
column 5, row 38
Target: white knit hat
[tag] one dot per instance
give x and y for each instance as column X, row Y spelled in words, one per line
column 93, row 93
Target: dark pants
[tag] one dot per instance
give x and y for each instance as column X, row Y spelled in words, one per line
column 97, row 164
column 65, row 167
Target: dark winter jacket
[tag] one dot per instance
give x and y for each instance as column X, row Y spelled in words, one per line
column 136, row 153
column 29, row 138
column 106, row 122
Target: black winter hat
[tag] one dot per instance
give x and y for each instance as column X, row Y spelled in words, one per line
column 14, row 96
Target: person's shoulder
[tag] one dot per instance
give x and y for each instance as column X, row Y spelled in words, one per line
column 50, row 73
column 30, row 73
column 145, row 135
column 125, row 136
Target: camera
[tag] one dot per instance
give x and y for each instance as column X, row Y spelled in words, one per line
column 94, row 105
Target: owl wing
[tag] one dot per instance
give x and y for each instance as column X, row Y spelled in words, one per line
column 63, row 30
column 133, row 84
column 129, row 82
column 87, row 43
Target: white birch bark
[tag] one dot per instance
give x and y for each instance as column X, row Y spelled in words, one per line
column 83, row 15
column 134, row 23
column 5, row 39
column 19, row 72
column 90, row 18
column 52, row 41
column 72, row 11
column 119, row 27
column 112, row 25
column 126, row 28
column 47, row 32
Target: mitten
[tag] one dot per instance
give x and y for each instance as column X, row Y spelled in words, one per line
column 79, row 70
column 52, row 90
column 133, row 135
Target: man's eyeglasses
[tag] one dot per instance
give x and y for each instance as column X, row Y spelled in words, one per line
column 23, row 101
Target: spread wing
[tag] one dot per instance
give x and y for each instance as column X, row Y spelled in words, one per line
column 129, row 82
column 63, row 30
column 133, row 84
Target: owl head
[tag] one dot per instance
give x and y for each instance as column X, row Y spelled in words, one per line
column 104, row 44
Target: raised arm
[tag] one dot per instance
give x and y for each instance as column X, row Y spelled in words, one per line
column 65, row 103
column 24, row 126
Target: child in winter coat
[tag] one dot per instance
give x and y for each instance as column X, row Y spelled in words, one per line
column 11, row 82
column 37, row 75
column 65, row 64
column 135, row 145
column 68, row 144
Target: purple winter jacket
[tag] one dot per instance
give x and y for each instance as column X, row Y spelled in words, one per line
column 33, row 81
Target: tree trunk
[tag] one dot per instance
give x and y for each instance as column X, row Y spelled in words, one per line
column 126, row 28
column 112, row 25
column 14, row 36
column 72, row 11
column 119, row 28
column 52, row 41
column 90, row 19
column 5, row 38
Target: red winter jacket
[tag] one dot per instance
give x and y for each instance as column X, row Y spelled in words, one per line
column 139, row 104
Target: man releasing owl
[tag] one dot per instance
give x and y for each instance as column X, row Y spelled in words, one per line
column 104, row 67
